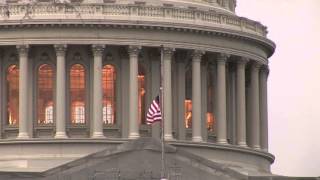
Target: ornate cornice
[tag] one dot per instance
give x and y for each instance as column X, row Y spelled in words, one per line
column 138, row 16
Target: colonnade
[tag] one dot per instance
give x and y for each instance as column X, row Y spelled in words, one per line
column 251, row 117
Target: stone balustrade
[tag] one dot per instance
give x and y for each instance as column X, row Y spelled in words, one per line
column 46, row 13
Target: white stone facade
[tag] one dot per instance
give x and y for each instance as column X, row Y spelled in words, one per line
column 203, row 41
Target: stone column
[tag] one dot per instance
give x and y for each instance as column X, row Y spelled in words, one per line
column 241, row 102
column 264, row 107
column 23, row 91
column 255, row 104
column 133, row 92
column 221, row 99
column 97, row 91
column 196, row 96
column 181, row 95
column 167, row 93
column 61, row 91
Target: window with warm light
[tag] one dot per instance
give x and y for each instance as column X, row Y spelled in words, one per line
column 188, row 99
column 109, row 94
column 142, row 93
column 12, row 95
column 45, row 94
column 188, row 113
column 77, row 94
column 210, row 115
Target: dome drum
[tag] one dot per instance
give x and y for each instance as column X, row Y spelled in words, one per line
column 82, row 75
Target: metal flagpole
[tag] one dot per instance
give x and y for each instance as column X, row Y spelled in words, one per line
column 163, row 169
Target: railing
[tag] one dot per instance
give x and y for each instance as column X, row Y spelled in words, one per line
column 45, row 11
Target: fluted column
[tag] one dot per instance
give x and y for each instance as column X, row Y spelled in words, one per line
column 255, row 104
column 61, row 91
column 133, row 92
column 167, row 93
column 23, row 91
column 97, row 91
column 221, row 99
column 264, row 107
column 241, row 103
column 196, row 96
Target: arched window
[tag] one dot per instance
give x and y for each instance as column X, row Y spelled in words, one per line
column 12, row 95
column 45, row 94
column 141, row 93
column 188, row 99
column 77, row 94
column 210, row 92
column 109, row 94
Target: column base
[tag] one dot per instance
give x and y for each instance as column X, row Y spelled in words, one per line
column 61, row 135
column 242, row 144
column 197, row 139
column 23, row 135
column 168, row 137
column 256, row 147
column 222, row 141
column 265, row 150
column 134, row 136
column 98, row 135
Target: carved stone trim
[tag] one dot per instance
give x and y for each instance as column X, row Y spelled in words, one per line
column 134, row 50
column 98, row 49
column 197, row 55
column 222, row 57
column 22, row 50
column 167, row 53
column 60, row 49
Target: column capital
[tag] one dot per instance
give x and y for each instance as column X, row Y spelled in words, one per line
column 134, row 50
column 243, row 60
column 168, row 52
column 23, row 49
column 265, row 69
column 98, row 49
column 60, row 49
column 222, row 57
column 197, row 54
column 256, row 66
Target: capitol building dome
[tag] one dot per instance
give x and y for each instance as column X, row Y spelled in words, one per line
column 78, row 76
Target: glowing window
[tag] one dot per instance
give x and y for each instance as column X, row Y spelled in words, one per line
column 12, row 95
column 210, row 114
column 188, row 113
column 45, row 94
column 109, row 94
column 77, row 94
column 188, row 101
column 49, row 114
column 141, row 93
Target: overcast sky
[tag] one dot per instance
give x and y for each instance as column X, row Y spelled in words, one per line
column 294, row 82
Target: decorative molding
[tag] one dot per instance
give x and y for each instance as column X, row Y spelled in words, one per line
column 222, row 57
column 167, row 53
column 60, row 49
column 265, row 69
column 22, row 50
column 134, row 50
column 118, row 11
column 98, row 49
column 197, row 55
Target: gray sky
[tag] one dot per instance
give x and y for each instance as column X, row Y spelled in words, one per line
column 294, row 82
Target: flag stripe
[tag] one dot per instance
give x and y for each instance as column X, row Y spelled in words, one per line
column 154, row 112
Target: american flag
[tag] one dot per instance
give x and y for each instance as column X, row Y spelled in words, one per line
column 154, row 112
